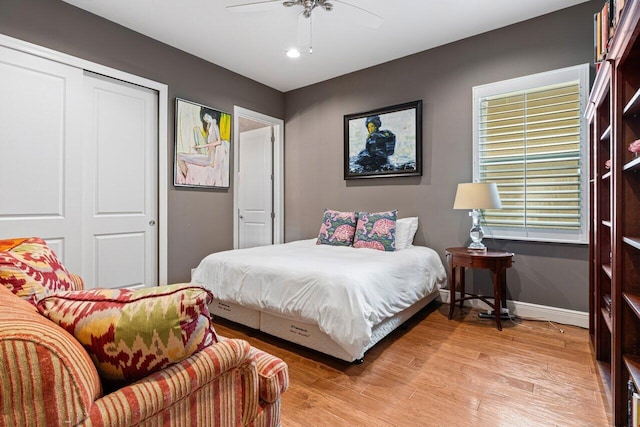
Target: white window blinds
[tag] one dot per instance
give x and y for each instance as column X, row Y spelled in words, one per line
column 530, row 142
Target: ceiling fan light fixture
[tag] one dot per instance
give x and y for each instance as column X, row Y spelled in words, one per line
column 327, row 6
column 293, row 53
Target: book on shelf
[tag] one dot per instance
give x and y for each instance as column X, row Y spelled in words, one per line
column 607, row 303
column 606, row 26
column 616, row 12
column 600, row 34
column 605, row 23
column 597, row 37
column 633, row 402
column 631, row 390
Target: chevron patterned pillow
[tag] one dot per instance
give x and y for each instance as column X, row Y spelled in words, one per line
column 132, row 333
column 31, row 270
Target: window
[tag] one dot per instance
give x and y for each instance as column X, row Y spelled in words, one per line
column 530, row 139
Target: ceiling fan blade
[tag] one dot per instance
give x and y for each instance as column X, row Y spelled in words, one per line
column 260, row 6
column 364, row 17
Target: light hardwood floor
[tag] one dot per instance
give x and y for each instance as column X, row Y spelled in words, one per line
column 440, row 372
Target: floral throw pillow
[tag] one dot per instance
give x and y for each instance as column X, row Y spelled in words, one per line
column 338, row 228
column 31, row 270
column 132, row 333
column 376, row 231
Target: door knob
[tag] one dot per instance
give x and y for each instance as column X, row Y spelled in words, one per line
column 152, row 223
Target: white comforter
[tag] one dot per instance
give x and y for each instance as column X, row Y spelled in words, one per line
column 345, row 291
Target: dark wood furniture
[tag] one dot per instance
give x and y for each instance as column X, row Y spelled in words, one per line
column 496, row 261
column 614, row 249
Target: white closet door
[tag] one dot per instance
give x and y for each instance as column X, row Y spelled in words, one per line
column 255, row 194
column 120, row 184
column 40, row 150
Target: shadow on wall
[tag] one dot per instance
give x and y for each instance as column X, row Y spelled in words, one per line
column 481, row 282
column 547, row 265
column 378, row 182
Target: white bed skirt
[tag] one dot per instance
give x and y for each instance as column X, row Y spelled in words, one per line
column 307, row 334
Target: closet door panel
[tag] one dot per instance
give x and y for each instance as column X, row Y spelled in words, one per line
column 40, row 150
column 120, row 184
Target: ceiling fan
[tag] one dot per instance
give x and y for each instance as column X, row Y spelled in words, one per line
column 309, row 5
column 357, row 14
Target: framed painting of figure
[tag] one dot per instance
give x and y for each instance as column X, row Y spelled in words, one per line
column 386, row 142
column 203, row 136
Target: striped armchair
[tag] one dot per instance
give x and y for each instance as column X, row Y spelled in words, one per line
column 48, row 379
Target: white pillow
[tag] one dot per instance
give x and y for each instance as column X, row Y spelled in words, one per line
column 405, row 232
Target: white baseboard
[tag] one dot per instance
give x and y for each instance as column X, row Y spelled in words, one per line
column 528, row 310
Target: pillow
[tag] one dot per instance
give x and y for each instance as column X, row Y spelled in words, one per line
column 31, row 270
column 338, row 228
column 132, row 333
column 376, row 231
column 405, row 232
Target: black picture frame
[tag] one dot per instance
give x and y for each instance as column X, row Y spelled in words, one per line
column 392, row 149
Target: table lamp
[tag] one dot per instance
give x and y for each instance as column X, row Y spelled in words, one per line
column 476, row 196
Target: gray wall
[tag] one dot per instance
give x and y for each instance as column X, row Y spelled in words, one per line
column 548, row 274
column 200, row 222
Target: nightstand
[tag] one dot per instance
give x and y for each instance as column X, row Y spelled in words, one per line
column 496, row 261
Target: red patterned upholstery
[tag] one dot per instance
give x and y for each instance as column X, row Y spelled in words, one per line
column 36, row 358
column 31, row 270
column 273, row 375
column 131, row 333
column 48, row 379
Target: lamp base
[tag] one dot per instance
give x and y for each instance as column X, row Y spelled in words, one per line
column 477, row 251
column 476, row 233
column 477, row 246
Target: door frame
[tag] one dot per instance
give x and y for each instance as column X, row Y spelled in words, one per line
column 163, row 93
column 278, row 170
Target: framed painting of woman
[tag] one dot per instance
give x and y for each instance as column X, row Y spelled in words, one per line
column 202, row 146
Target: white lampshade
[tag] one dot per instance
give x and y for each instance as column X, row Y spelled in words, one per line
column 477, row 195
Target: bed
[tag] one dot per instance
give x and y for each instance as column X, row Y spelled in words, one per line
column 334, row 299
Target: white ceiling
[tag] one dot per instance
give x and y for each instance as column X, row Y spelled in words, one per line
column 254, row 44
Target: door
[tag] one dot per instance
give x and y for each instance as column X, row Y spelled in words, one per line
column 255, row 187
column 249, row 191
column 40, row 151
column 120, row 184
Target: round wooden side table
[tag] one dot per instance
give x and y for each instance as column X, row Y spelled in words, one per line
column 496, row 261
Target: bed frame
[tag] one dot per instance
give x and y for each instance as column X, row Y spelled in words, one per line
column 309, row 334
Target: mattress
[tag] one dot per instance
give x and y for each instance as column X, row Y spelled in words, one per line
column 342, row 291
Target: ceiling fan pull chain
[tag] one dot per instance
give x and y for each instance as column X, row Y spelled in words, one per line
column 310, row 35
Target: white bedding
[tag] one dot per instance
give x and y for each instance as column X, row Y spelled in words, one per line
column 345, row 291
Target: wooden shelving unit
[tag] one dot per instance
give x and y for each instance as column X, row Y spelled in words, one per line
column 614, row 269
column 632, row 363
